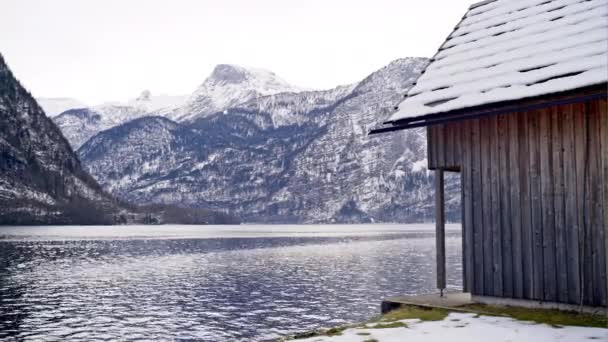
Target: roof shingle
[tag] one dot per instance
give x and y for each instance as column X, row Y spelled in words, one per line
column 506, row 50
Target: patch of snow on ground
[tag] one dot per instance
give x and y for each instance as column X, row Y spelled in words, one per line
column 461, row 327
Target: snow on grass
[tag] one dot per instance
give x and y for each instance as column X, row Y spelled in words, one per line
column 464, row 327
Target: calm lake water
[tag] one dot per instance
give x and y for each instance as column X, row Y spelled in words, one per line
column 207, row 283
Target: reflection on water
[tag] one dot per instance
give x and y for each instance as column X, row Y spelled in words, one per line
column 172, row 284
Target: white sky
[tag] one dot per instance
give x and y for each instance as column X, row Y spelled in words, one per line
column 103, row 50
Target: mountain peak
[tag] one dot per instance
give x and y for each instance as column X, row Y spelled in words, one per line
column 230, row 85
column 229, row 73
column 236, row 74
column 144, row 96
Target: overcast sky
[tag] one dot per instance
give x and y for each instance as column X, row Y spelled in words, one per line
column 105, row 50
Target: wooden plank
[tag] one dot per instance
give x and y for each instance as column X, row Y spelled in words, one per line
column 571, row 204
column 603, row 105
column 447, row 148
column 561, row 252
column 486, row 193
column 495, row 214
column 449, row 158
column 603, row 203
column 515, row 200
column 589, row 201
column 547, row 211
column 458, row 141
column 504, row 171
column 588, row 211
column 440, row 229
column 449, row 145
column 536, row 204
column 597, row 227
column 435, row 147
column 455, row 133
column 582, row 191
column 464, row 243
column 467, row 187
column 440, row 148
column 452, row 138
column 526, row 207
column 476, row 194
column 430, row 146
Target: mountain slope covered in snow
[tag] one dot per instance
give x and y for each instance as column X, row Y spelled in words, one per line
column 80, row 124
column 226, row 87
column 293, row 156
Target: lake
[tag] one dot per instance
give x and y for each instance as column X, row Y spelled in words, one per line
column 208, row 283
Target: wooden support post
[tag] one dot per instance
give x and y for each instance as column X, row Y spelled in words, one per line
column 440, row 229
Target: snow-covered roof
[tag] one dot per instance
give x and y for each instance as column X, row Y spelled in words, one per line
column 505, row 50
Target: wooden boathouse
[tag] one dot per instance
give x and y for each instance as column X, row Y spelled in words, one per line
column 515, row 100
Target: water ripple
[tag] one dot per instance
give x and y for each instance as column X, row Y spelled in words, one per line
column 207, row 289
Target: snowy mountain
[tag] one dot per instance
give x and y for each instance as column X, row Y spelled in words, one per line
column 148, row 102
column 79, row 125
column 292, row 156
column 41, row 178
column 54, row 106
column 228, row 86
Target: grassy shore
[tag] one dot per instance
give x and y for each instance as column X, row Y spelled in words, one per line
column 398, row 318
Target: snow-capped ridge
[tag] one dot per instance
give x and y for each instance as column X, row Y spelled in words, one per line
column 151, row 102
column 290, row 157
column 229, row 85
column 231, row 73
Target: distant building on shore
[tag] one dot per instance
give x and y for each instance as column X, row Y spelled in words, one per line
column 515, row 100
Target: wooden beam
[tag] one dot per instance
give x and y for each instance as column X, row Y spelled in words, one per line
column 440, row 229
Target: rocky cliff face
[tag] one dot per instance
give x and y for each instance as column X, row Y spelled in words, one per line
column 289, row 156
column 41, row 178
column 345, row 175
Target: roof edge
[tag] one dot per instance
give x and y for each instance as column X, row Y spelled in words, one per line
column 481, row 3
column 583, row 94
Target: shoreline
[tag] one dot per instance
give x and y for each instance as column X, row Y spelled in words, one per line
column 414, row 321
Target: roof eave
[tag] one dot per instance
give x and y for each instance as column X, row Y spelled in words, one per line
column 584, row 94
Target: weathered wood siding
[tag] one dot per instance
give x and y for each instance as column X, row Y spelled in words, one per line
column 535, row 201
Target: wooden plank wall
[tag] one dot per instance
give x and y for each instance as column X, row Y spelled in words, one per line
column 535, row 198
column 604, row 142
column 444, row 146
